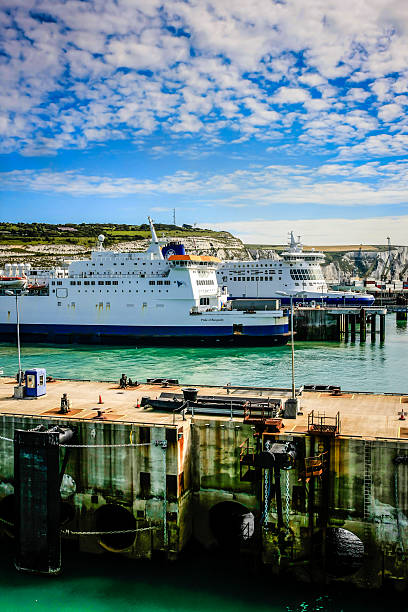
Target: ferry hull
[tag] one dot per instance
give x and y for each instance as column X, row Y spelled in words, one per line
column 252, row 335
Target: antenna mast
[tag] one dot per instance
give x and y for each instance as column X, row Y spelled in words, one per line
column 174, row 216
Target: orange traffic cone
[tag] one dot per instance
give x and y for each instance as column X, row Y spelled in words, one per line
column 137, row 404
column 100, row 400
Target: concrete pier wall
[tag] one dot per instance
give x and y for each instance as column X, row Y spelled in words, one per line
column 179, row 488
column 147, row 481
column 368, row 508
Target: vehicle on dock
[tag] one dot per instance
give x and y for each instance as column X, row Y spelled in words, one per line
column 296, row 273
column 148, row 297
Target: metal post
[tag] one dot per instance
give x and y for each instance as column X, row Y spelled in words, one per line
column 382, row 327
column 353, row 327
column 293, row 347
column 363, row 329
column 346, row 327
column 342, row 326
column 18, row 341
column 373, row 326
column 164, row 447
column 338, row 327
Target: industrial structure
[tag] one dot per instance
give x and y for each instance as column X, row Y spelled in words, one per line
column 318, row 492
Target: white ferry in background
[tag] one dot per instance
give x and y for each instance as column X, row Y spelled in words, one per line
column 295, row 272
column 159, row 296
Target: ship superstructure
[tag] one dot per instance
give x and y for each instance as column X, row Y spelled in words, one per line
column 296, row 273
column 135, row 297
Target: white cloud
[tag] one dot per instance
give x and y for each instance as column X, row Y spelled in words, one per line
column 319, row 232
column 381, row 145
column 291, row 95
column 357, row 94
column 389, row 112
column 261, row 186
column 89, row 72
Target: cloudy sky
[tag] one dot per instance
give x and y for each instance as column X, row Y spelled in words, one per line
column 256, row 116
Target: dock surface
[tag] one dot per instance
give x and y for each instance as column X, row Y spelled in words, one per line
column 364, row 415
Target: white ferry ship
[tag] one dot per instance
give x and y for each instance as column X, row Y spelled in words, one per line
column 134, row 298
column 296, row 273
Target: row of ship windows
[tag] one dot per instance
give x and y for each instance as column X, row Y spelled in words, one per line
column 107, row 305
column 305, row 275
column 137, row 263
column 108, row 261
column 159, row 282
column 79, row 283
column 205, row 282
column 304, row 272
column 255, row 272
column 253, row 278
column 267, row 265
column 115, row 291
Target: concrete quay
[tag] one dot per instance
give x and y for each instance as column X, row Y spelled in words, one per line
column 322, row 496
column 326, row 323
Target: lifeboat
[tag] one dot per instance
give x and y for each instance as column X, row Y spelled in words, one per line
column 36, row 287
column 13, row 282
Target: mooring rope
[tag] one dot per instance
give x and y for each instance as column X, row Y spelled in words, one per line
column 287, row 500
column 124, row 445
column 105, row 445
column 265, row 516
column 117, row 532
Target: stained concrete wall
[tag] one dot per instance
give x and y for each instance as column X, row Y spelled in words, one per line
column 299, row 549
column 204, row 457
column 112, row 476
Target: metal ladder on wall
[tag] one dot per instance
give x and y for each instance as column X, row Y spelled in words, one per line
column 368, row 493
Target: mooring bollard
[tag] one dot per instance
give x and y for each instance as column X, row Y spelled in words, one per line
column 382, row 327
column 363, row 328
column 353, row 327
column 373, row 326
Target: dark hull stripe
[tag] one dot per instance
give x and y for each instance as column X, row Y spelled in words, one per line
column 118, row 334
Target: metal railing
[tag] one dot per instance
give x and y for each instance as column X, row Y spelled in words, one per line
column 320, row 423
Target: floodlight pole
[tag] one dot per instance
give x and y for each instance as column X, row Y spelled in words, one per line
column 18, row 341
column 293, row 347
column 19, row 375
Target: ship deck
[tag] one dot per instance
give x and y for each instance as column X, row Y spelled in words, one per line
column 364, row 415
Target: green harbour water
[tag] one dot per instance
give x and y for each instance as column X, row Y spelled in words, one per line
column 107, row 583
column 203, row 584
column 354, row 366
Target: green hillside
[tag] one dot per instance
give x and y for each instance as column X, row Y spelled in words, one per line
column 85, row 234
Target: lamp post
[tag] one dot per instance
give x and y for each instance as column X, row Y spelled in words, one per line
column 291, row 296
column 18, row 391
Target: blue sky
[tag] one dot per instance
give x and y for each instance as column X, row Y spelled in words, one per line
column 253, row 116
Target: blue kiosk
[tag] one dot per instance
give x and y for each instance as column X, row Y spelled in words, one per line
column 35, row 382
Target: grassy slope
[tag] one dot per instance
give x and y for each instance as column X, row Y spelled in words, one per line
column 86, row 234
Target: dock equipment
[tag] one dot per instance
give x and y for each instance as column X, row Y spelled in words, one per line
column 259, row 408
column 323, row 425
column 37, row 478
column 314, row 466
column 270, row 457
column 35, row 382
